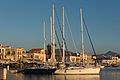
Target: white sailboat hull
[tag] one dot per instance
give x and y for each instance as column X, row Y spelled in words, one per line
column 81, row 71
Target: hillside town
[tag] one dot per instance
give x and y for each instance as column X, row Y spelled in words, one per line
column 9, row 55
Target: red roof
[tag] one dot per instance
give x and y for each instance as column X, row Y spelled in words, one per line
column 35, row 50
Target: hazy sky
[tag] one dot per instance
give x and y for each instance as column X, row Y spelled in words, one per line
column 21, row 23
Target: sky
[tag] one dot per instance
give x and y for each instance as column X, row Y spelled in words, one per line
column 21, row 23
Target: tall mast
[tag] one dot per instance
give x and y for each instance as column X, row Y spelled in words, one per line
column 82, row 32
column 63, row 36
column 44, row 43
column 51, row 33
column 53, row 60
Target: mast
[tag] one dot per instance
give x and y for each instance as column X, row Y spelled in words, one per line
column 44, row 43
column 51, row 33
column 63, row 36
column 53, row 60
column 82, row 32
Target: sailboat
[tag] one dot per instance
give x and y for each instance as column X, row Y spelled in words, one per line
column 83, row 70
column 43, row 69
column 46, row 69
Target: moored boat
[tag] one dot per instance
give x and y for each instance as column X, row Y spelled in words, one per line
column 84, row 70
column 39, row 70
column 78, row 71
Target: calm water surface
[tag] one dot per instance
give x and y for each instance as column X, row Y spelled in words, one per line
column 107, row 74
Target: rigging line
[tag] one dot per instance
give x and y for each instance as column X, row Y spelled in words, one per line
column 58, row 21
column 58, row 41
column 61, row 33
column 60, row 28
column 56, row 31
column 89, row 37
column 96, row 61
column 71, row 33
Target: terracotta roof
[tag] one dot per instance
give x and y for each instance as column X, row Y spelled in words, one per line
column 35, row 49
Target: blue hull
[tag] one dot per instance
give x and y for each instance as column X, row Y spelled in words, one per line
column 39, row 71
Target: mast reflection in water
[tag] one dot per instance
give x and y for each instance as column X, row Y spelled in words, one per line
column 107, row 74
column 76, row 77
column 112, row 73
column 3, row 74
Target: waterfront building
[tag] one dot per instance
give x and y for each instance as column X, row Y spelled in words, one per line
column 17, row 53
column 35, row 54
column 14, row 54
column 77, row 59
column 2, row 53
column 112, row 61
column 8, row 53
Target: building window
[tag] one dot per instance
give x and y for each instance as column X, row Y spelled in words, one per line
column 31, row 56
column 36, row 57
column 2, row 50
column 13, row 53
column 8, row 53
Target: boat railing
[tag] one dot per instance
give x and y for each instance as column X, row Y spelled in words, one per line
column 73, row 68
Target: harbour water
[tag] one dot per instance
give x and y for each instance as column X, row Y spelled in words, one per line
column 107, row 74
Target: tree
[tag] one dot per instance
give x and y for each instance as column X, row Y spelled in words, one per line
column 49, row 50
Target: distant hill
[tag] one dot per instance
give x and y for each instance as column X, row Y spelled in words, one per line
column 111, row 53
column 107, row 55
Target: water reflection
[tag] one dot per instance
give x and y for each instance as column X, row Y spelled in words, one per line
column 76, row 77
column 110, row 75
column 104, row 75
column 38, row 77
column 20, row 76
column 53, row 77
column 3, row 74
